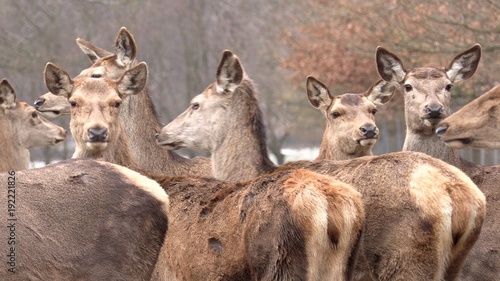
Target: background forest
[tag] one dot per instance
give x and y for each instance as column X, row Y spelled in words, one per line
column 279, row 42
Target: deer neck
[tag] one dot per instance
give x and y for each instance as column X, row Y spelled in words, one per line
column 240, row 153
column 431, row 145
column 139, row 120
column 15, row 156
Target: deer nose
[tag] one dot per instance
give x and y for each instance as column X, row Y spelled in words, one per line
column 441, row 130
column 368, row 131
column 39, row 102
column 434, row 110
column 98, row 135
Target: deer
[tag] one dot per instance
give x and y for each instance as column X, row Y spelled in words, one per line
column 474, row 125
column 138, row 115
column 22, row 128
column 427, row 98
column 81, row 219
column 350, row 129
column 422, row 215
column 223, row 230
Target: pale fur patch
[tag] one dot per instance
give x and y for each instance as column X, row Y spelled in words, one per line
column 310, row 208
column 144, row 183
column 436, row 203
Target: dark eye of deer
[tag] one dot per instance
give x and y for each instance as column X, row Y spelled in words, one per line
column 408, row 87
column 117, row 104
column 448, row 87
column 96, row 75
column 335, row 114
column 72, row 103
column 195, row 106
column 374, row 111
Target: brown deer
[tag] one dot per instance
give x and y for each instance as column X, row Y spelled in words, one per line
column 81, row 220
column 21, row 128
column 138, row 116
column 475, row 124
column 52, row 106
column 427, row 98
column 422, row 215
column 289, row 225
column 350, row 130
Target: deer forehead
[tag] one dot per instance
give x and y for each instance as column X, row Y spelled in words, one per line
column 100, row 88
column 349, row 100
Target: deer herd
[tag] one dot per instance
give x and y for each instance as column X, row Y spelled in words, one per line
column 128, row 207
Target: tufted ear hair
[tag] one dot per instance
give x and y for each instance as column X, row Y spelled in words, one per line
column 57, row 80
column 464, row 65
column 133, row 81
column 125, row 47
column 93, row 52
column 389, row 66
column 229, row 73
column 381, row 92
column 318, row 94
column 7, row 95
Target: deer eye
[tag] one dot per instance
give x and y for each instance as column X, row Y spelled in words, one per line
column 117, row 104
column 335, row 114
column 408, row 87
column 72, row 103
column 374, row 111
column 34, row 115
column 195, row 106
column 448, row 87
column 96, row 75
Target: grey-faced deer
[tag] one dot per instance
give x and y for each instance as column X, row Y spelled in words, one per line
column 350, row 119
column 138, row 116
column 81, row 220
column 422, row 215
column 427, row 98
column 225, row 230
column 475, row 124
column 21, row 128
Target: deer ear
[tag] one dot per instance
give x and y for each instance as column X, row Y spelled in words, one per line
column 318, row 93
column 125, row 47
column 94, row 53
column 133, row 81
column 7, row 95
column 464, row 65
column 389, row 66
column 57, row 80
column 381, row 92
column 229, row 72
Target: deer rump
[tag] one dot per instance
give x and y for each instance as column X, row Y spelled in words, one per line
column 291, row 225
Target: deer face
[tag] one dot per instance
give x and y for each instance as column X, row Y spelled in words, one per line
column 427, row 90
column 28, row 128
column 95, row 103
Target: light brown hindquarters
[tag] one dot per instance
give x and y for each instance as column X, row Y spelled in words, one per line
column 283, row 226
column 84, row 220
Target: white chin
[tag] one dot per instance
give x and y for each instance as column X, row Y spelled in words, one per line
column 368, row 142
column 455, row 144
column 49, row 114
column 96, row 145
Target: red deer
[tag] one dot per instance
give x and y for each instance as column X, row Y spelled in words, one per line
column 475, row 124
column 81, row 220
column 427, row 98
column 138, row 116
column 422, row 215
column 21, row 128
column 52, row 106
column 289, row 225
column 350, row 119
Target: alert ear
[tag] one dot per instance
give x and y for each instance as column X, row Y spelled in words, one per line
column 125, row 47
column 318, row 94
column 133, row 81
column 57, row 80
column 381, row 92
column 93, row 52
column 229, row 73
column 464, row 65
column 389, row 66
column 7, row 95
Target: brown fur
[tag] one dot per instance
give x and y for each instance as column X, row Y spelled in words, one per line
column 83, row 220
column 21, row 128
column 288, row 226
column 414, row 228
column 138, row 116
column 483, row 263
